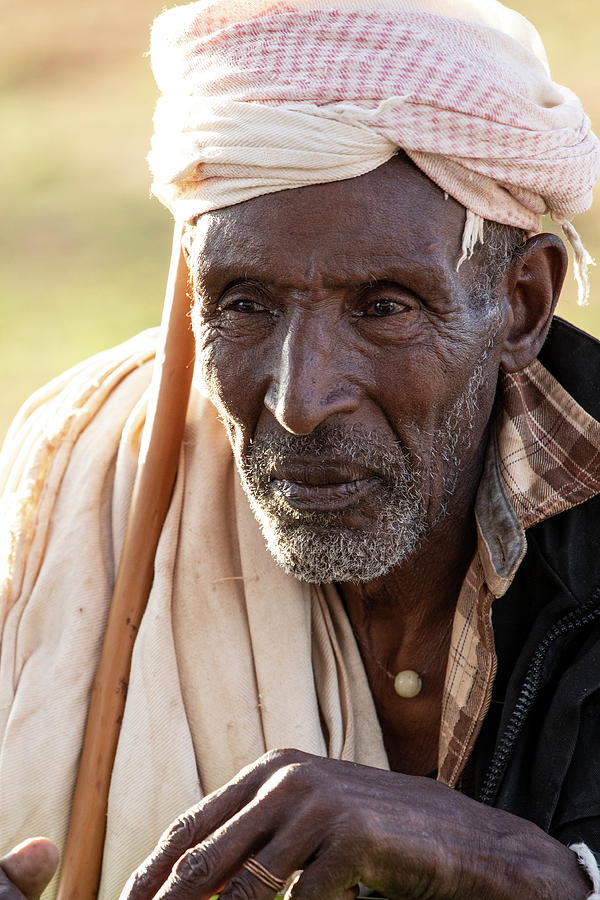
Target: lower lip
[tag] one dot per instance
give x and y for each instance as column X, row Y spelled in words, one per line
column 321, row 497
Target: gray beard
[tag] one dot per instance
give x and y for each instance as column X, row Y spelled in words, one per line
column 318, row 547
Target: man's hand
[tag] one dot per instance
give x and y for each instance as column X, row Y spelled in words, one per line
column 342, row 823
column 28, row 869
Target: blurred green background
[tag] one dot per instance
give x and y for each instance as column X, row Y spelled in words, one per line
column 84, row 250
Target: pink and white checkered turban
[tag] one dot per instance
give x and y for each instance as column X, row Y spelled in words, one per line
column 261, row 95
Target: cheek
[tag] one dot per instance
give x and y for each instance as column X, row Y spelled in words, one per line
column 228, row 378
column 413, row 387
column 421, row 391
column 209, row 364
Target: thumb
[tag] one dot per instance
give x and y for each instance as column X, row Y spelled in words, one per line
column 31, row 865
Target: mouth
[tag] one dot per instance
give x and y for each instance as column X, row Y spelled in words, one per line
column 321, row 497
column 321, row 487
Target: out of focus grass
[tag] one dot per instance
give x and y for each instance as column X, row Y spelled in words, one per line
column 84, row 251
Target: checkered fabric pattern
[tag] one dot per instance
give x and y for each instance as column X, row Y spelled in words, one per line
column 544, row 459
column 264, row 95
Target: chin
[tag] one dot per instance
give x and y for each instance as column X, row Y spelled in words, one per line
column 320, row 555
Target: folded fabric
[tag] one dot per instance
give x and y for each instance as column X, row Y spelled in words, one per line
column 262, row 95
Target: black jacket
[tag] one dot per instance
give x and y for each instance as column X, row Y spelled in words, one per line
column 538, row 754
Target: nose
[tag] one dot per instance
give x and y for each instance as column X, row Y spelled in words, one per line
column 311, row 378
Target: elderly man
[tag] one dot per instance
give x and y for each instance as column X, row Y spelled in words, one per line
column 382, row 397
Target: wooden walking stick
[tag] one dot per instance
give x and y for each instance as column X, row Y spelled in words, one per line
column 155, row 477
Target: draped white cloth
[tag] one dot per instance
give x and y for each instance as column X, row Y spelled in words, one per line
column 233, row 657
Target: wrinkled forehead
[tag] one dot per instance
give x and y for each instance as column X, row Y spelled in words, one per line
column 394, row 213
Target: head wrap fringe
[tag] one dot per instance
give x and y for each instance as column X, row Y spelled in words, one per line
column 473, row 234
column 581, row 261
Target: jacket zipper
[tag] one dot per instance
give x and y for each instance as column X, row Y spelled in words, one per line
column 573, row 620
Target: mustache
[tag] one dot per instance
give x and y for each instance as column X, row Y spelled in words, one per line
column 329, row 444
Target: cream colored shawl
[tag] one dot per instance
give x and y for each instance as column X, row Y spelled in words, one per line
column 233, row 657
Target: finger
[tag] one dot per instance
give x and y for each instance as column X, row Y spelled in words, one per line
column 323, row 880
column 8, row 891
column 204, row 869
column 276, row 866
column 31, row 865
column 257, row 881
column 244, row 886
column 278, row 822
column 184, row 833
column 200, row 822
column 187, row 831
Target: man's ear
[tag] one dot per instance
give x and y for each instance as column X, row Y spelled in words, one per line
column 532, row 287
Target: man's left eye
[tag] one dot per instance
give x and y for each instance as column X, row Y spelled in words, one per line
column 384, row 307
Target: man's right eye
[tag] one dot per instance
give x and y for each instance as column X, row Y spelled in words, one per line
column 242, row 306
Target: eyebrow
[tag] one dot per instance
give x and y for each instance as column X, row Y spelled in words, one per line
column 226, row 273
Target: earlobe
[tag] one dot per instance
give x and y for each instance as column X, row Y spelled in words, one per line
column 532, row 288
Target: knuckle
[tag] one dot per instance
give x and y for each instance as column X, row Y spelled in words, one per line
column 180, row 834
column 292, row 779
column 282, row 756
column 298, row 775
column 196, row 866
column 359, row 825
column 137, row 883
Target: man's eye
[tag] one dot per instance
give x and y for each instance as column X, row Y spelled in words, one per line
column 243, row 306
column 384, row 307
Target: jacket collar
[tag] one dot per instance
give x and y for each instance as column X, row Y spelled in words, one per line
column 543, row 458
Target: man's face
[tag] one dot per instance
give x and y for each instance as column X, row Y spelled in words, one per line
column 353, row 373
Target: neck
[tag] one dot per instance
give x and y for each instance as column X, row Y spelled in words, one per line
column 418, row 597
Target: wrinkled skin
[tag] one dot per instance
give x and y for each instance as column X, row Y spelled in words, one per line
column 342, row 823
column 341, row 304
